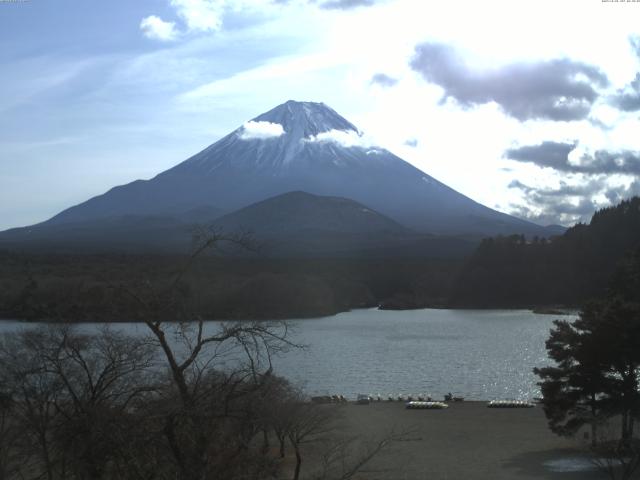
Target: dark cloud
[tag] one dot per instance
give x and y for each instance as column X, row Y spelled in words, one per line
column 628, row 98
column 546, row 154
column 556, row 155
column 589, row 188
column 617, row 194
column 602, row 161
column 383, row 80
column 559, row 89
column 565, row 205
column 345, row 4
column 569, row 204
column 557, row 212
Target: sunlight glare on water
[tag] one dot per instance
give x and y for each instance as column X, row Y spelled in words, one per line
column 477, row 354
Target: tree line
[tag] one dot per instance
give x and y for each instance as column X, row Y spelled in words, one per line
column 567, row 270
column 595, row 382
column 184, row 400
column 101, row 406
column 76, row 288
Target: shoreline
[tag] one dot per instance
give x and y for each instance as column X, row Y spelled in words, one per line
column 466, row 440
column 562, row 311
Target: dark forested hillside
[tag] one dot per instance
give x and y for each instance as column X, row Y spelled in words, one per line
column 93, row 287
column 505, row 272
column 566, row 270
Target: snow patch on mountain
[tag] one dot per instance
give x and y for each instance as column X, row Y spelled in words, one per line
column 344, row 138
column 308, row 147
column 306, row 119
column 260, row 130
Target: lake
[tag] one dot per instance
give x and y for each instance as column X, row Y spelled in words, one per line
column 478, row 354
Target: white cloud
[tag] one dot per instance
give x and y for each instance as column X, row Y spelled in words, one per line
column 344, row 138
column 156, row 28
column 207, row 15
column 200, row 15
column 197, row 15
column 260, row 130
column 275, row 50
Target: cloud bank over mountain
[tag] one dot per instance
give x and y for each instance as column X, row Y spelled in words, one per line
column 559, row 89
column 590, row 174
column 181, row 73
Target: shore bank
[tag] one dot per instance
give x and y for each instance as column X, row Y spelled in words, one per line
column 466, row 441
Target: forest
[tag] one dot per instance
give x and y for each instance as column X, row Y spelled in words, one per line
column 181, row 399
column 591, row 389
column 503, row 272
column 166, row 405
column 566, row 270
column 90, row 287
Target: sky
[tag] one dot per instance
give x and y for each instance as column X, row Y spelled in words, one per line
column 529, row 107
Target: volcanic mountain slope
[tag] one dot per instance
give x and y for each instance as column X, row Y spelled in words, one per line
column 301, row 224
column 129, row 233
column 294, row 224
column 294, row 212
column 308, row 147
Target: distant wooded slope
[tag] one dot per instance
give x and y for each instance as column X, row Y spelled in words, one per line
column 566, row 270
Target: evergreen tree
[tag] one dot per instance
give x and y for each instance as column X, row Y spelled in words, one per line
column 571, row 390
column 597, row 369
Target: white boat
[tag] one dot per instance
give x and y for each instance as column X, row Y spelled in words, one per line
column 510, row 404
column 426, row 405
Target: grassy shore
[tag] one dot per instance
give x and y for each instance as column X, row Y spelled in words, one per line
column 466, row 441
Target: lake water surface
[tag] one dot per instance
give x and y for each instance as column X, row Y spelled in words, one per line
column 478, row 354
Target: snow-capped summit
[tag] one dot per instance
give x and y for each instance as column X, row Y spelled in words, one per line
column 306, row 119
column 308, row 147
column 294, row 135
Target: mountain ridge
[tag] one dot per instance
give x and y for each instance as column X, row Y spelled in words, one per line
column 314, row 150
column 293, row 224
column 299, row 210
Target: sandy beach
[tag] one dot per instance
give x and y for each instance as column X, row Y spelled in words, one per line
column 466, row 441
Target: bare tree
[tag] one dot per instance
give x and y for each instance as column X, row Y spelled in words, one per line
column 34, row 393
column 72, row 394
column 618, row 459
column 213, row 370
column 210, row 373
column 188, row 401
column 308, row 422
column 8, row 436
column 103, row 376
column 280, row 400
column 343, row 458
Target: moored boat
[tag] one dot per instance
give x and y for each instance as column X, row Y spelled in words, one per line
column 417, row 405
column 510, row 404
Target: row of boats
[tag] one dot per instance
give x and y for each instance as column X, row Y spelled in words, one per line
column 404, row 398
column 420, row 401
column 492, row 404
column 510, row 404
column 426, row 405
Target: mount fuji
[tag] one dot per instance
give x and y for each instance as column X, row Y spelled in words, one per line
column 295, row 147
